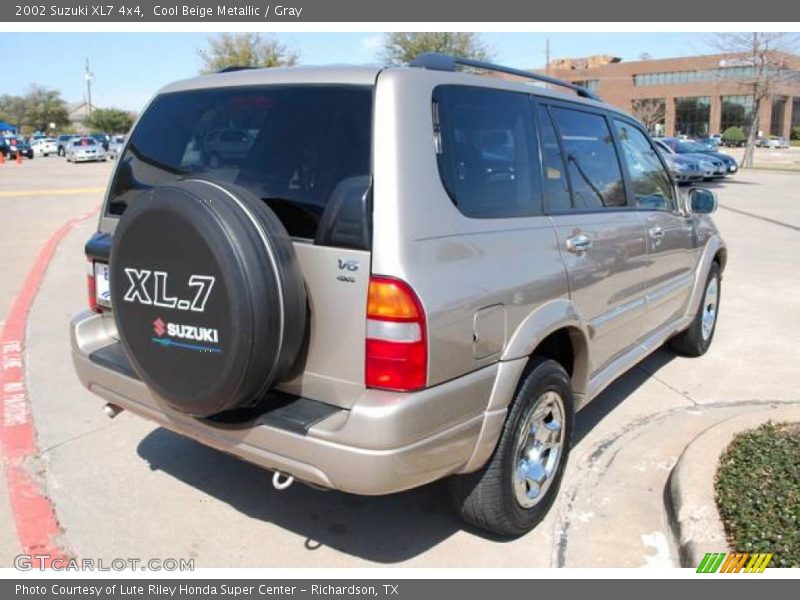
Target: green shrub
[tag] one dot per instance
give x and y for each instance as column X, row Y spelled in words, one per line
column 758, row 492
column 734, row 134
column 796, row 133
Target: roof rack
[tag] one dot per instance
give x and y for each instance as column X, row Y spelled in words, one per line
column 233, row 68
column 443, row 62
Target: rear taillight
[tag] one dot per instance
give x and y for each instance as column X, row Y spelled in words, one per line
column 397, row 351
column 91, row 287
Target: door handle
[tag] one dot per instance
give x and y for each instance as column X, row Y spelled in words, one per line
column 656, row 232
column 578, row 243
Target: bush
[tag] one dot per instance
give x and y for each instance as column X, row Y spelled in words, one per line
column 734, row 135
column 758, row 492
column 796, row 133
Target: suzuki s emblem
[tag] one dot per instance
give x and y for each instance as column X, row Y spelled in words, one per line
column 159, row 327
column 349, row 265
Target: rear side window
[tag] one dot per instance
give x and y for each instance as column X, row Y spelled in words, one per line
column 556, row 187
column 299, row 148
column 486, row 151
column 592, row 161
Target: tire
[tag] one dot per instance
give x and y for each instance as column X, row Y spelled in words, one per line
column 211, row 303
column 696, row 340
column 494, row 497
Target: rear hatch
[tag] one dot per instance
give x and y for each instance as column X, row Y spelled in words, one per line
column 306, row 151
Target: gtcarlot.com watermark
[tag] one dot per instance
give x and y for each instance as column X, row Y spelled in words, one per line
column 42, row 562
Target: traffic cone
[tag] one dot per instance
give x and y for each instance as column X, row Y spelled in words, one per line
column 19, row 158
column 2, row 158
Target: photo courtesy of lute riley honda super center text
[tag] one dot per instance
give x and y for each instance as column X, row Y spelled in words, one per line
column 203, row 590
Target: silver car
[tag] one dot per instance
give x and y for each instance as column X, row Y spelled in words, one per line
column 85, row 149
column 115, row 146
column 405, row 274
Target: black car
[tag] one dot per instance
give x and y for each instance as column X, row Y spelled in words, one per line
column 11, row 146
column 687, row 147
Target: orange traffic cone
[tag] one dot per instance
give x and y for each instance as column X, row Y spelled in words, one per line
column 19, row 158
column 2, row 158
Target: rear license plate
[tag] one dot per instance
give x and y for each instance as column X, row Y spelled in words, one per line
column 102, row 285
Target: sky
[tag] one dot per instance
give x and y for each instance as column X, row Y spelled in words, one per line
column 129, row 67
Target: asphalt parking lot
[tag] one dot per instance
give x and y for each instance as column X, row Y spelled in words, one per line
column 125, row 488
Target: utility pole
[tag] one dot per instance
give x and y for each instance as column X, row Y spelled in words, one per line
column 88, row 76
column 547, row 56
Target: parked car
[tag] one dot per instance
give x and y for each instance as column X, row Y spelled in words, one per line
column 773, row 141
column 729, row 164
column 684, row 169
column 115, row 146
column 15, row 145
column 226, row 145
column 62, row 141
column 103, row 139
column 709, row 143
column 408, row 274
column 709, row 167
column 45, row 146
column 85, row 149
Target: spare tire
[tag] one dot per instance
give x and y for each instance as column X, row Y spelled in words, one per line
column 208, row 295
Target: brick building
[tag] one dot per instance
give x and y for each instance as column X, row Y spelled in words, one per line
column 697, row 96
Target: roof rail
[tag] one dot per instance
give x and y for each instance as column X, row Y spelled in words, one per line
column 233, row 68
column 443, row 62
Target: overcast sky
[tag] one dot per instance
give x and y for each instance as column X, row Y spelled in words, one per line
column 129, row 67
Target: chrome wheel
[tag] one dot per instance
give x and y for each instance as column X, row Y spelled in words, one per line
column 539, row 449
column 709, row 314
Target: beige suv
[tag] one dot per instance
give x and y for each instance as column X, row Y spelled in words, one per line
column 410, row 274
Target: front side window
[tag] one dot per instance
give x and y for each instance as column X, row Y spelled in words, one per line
column 592, row 161
column 486, row 151
column 650, row 183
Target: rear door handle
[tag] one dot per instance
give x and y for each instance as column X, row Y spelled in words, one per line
column 656, row 232
column 579, row 243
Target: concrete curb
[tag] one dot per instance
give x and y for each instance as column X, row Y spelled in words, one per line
column 691, row 505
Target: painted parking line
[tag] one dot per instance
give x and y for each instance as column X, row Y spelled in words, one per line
column 53, row 192
column 34, row 517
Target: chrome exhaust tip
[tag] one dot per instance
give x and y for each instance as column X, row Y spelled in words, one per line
column 112, row 410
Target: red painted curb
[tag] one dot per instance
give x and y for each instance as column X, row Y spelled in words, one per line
column 34, row 518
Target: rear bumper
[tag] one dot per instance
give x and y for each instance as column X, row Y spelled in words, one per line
column 384, row 443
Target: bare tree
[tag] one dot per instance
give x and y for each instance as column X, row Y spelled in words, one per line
column 650, row 111
column 767, row 54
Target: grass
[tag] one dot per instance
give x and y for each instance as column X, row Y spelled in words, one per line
column 758, row 492
column 795, row 143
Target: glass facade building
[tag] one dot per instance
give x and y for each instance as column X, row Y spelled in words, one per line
column 693, row 116
column 737, row 111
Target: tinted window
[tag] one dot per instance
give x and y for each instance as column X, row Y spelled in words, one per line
column 296, row 147
column 556, row 188
column 592, row 162
column 651, row 186
column 486, row 153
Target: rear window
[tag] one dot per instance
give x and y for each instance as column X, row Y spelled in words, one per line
column 295, row 147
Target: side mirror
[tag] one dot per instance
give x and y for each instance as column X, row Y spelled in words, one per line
column 702, row 201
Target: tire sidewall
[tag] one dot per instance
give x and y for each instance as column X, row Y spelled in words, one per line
column 544, row 376
column 702, row 343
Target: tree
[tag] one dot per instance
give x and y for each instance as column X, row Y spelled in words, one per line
column 402, row 48
column 45, row 106
column 245, row 50
column 110, row 120
column 766, row 53
column 14, row 109
column 734, row 136
column 650, row 111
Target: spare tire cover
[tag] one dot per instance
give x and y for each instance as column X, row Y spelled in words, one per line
column 208, row 295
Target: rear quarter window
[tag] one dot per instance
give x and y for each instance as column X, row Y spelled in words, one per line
column 486, row 151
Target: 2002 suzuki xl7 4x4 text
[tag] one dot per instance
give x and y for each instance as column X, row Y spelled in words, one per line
column 369, row 279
